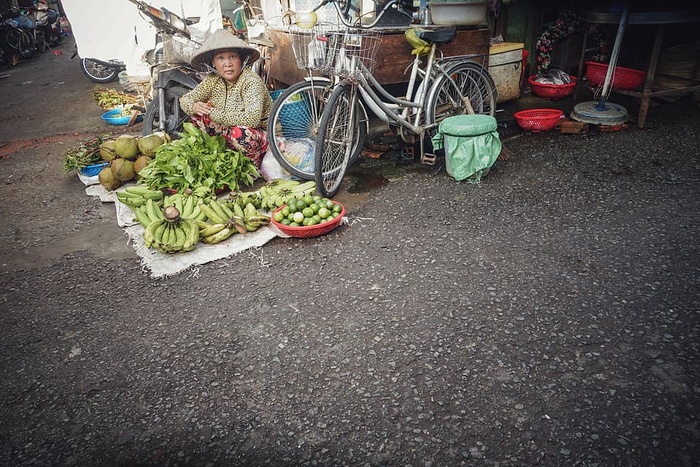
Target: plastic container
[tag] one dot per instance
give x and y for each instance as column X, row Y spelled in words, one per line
column 537, row 120
column 311, row 230
column 505, row 67
column 293, row 117
column 471, row 144
column 622, row 78
column 458, row 13
column 113, row 117
column 551, row 91
column 93, row 169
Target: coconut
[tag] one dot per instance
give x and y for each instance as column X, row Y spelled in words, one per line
column 149, row 144
column 127, row 147
column 107, row 150
column 108, row 180
column 123, row 169
column 140, row 163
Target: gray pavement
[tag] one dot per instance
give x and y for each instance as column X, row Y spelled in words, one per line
column 546, row 316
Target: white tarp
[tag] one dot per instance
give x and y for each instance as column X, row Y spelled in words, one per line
column 114, row 29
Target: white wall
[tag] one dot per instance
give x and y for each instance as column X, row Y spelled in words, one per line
column 114, row 29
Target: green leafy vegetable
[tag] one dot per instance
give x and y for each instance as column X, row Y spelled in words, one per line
column 87, row 153
column 198, row 159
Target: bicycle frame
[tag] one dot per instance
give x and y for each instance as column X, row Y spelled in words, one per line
column 407, row 113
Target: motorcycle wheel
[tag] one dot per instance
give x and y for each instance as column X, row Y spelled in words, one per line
column 175, row 115
column 97, row 72
column 40, row 40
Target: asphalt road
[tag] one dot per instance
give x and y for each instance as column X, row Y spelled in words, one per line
column 547, row 316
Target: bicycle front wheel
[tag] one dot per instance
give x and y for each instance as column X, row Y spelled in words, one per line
column 473, row 91
column 292, row 128
column 340, row 134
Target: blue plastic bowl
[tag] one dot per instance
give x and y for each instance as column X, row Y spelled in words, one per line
column 93, row 169
column 113, row 117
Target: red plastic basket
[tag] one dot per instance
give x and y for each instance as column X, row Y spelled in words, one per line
column 551, row 91
column 622, row 78
column 538, row 119
column 310, row 230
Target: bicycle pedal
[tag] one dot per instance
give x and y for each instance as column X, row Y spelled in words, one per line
column 428, row 158
column 408, row 153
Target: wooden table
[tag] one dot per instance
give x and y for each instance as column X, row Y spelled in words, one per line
column 659, row 19
column 393, row 57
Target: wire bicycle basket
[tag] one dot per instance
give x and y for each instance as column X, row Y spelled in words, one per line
column 309, row 46
column 347, row 48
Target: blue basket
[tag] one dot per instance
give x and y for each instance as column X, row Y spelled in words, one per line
column 113, row 117
column 93, row 169
column 294, row 117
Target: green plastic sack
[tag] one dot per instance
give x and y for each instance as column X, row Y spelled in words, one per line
column 471, row 144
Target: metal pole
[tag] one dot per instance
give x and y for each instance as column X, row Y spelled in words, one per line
column 613, row 59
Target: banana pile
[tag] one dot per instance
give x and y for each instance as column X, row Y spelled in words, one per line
column 136, row 196
column 172, row 233
column 227, row 218
column 188, row 205
column 177, row 222
column 278, row 192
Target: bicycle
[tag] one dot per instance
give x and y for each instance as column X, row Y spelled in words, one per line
column 443, row 87
column 18, row 41
column 296, row 111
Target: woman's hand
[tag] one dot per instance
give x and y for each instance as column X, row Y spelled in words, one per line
column 202, row 108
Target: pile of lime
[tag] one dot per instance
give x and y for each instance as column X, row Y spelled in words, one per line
column 306, row 211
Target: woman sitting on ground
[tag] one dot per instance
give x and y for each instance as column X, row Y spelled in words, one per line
column 233, row 102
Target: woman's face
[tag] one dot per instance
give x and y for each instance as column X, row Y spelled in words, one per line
column 228, row 64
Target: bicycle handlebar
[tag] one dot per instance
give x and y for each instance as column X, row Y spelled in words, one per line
column 391, row 4
column 163, row 19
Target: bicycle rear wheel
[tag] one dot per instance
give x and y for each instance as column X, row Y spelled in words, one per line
column 292, row 127
column 475, row 92
column 340, row 133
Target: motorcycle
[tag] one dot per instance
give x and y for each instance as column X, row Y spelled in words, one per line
column 15, row 41
column 171, row 74
column 100, row 71
column 47, row 19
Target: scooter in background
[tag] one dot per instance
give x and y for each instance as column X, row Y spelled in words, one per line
column 171, row 74
column 47, row 19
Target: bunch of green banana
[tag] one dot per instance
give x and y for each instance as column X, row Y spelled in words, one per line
column 225, row 220
column 148, row 213
column 188, row 205
column 278, row 192
column 248, row 218
column 244, row 197
column 218, row 212
column 214, row 233
column 172, row 234
column 136, row 196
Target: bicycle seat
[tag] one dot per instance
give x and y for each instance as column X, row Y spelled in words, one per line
column 438, row 36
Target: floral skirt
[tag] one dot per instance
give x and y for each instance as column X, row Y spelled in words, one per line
column 252, row 142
